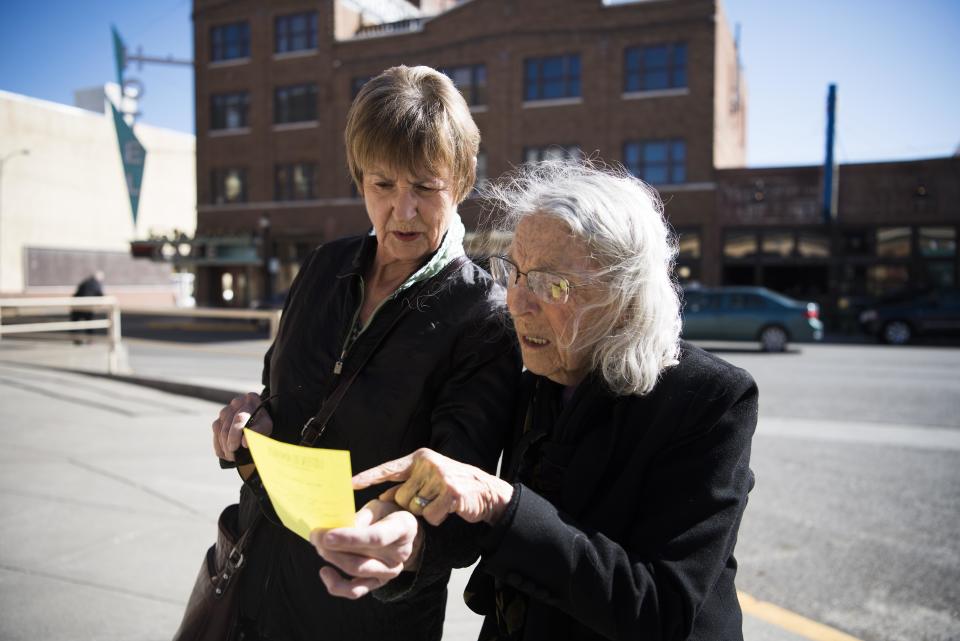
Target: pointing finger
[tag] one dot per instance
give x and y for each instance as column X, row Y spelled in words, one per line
column 396, row 470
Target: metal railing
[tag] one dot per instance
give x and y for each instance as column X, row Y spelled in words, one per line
column 272, row 316
column 55, row 305
column 112, row 322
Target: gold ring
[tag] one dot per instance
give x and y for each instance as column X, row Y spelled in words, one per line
column 421, row 502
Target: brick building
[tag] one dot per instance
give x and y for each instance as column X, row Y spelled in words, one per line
column 654, row 85
column 895, row 229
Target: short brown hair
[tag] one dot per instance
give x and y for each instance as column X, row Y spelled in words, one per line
column 413, row 118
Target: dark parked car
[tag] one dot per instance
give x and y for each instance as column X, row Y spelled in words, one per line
column 749, row 314
column 897, row 322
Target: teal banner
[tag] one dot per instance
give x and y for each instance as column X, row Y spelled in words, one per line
column 119, row 55
column 133, row 155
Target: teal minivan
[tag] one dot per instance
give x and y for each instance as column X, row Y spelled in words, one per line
column 749, row 314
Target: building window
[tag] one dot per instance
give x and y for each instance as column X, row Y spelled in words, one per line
column 296, row 103
column 777, row 243
column 658, row 162
column 356, row 84
column 687, row 268
column 740, row 244
column 229, row 110
column 296, row 181
column 893, row 242
column 295, row 32
column 230, row 41
column 883, row 280
column 552, row 77
column 857, row 242
column 937, row 242
column 471, row 80
column 812, row 243
column 654, row 68
column 552, row 152
column 229, row 186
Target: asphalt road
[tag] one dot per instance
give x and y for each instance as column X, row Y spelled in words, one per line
column 855, row 515
column 853, row 522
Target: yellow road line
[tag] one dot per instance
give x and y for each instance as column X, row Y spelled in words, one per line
column 790, row 621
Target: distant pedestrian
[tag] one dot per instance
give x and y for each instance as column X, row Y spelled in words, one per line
column 90, row 286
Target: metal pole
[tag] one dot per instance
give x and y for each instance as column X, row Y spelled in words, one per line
column 829, row 200
column 113, row 363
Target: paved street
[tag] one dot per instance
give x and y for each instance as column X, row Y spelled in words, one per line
column 108, row 496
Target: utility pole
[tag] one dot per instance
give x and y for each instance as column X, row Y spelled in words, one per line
column 830, row 173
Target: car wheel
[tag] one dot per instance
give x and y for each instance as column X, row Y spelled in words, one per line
column 773, row 339
column 897, row 332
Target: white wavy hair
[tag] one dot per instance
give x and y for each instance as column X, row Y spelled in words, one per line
column 635, row 332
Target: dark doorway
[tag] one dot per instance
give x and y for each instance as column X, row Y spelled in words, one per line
column 806, row 282
column 739, row 275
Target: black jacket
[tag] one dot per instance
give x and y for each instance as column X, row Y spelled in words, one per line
column 650, row 493
column 445, row 377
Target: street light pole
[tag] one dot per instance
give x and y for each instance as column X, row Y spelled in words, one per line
column 3, row 161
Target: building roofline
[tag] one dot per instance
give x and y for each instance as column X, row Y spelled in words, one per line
column 71, row 110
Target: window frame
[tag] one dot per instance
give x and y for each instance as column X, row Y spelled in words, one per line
column 534, row 88
column 475, row 94
column 287, row 191
column 289, row 35
column 221, row 123
column 288, row 111
column 637, row 73
column 676, row 170
column 218, row 193
column 570, row 152
column 221, row 37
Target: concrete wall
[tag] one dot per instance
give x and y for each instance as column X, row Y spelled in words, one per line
column 69, row 193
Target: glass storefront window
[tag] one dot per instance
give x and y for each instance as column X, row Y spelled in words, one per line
column 937, row 242
column 893, row 242
column 887, row 279
column 856, row 242
column 778, row 243
column 940, row 273
column 740, row 244
column 813, row 244
column 687, row 273
column 689, row 243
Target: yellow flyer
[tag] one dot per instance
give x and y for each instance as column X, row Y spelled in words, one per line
column 309, row 487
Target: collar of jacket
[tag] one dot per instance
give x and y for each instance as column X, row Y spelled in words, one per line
column 451, row 247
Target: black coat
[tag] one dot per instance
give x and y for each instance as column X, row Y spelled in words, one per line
column 639, row 544
column 445, row 377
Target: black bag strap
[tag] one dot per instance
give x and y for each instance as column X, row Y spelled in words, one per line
column 315, row 426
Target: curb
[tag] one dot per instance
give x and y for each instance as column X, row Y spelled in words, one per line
column 201, row 392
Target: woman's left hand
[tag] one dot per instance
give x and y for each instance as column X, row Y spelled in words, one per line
column 383, row 542
column 435, row 486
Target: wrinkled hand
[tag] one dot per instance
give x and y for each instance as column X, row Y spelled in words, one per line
column 451, row 487
column 228, row 426
column 383, row 542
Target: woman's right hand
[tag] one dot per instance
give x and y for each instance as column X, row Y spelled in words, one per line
column 228, row 426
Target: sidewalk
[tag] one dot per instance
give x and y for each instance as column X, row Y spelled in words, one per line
column 109, row 497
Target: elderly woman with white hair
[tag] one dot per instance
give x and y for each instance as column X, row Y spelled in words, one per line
column 617, row 509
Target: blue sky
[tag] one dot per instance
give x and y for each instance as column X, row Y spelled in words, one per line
column 896, row 64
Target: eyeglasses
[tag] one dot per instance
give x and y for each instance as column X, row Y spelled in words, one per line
column 549, row 288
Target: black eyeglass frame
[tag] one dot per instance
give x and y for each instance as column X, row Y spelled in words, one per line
column 566, row 287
